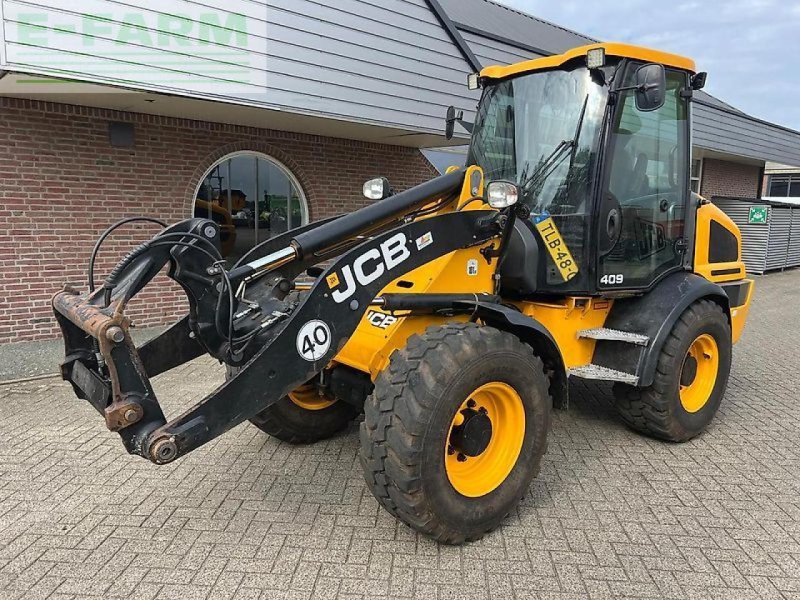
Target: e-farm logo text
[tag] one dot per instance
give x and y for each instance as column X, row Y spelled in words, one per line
column 211, row 51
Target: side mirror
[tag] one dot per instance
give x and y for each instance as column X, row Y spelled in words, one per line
column 699, row 80
column 455, row 116
column 450, row 122
column 378, row 189
column 651, row 87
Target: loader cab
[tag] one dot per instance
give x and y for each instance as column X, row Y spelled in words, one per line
column 599, row 149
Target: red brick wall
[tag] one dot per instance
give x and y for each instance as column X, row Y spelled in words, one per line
column 62, row 183
column 724, row 178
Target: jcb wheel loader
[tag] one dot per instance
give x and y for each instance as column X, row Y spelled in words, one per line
column 453, row 313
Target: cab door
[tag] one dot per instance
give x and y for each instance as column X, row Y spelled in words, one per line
column 642, row 216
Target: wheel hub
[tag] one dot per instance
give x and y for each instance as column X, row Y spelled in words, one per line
column 485, row 439
column 472, row 437
column 699, row 373
column 689, row 371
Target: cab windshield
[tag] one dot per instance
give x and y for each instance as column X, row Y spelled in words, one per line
column 521, row 125
column 541, row 131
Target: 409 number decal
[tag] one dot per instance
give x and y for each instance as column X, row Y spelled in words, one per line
column 612, row 279
column 314, row 340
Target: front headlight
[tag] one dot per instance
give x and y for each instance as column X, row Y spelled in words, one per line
column 377, row 189
column 502, row 194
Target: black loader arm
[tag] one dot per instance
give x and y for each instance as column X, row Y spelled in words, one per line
column 247, row 317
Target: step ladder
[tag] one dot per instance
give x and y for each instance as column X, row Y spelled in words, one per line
column 599, row 373
column 614, row 335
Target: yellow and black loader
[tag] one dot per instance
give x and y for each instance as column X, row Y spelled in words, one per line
column 452, row 314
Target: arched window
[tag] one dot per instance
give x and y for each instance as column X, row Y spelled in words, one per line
column 252, row 197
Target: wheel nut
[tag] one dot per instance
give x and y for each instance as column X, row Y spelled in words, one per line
column 471, row 403
column 450, row 450
column 461, row 457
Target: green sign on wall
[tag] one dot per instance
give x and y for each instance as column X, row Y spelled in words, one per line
column 758, row 215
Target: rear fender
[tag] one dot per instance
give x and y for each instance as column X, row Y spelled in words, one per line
column 654, row 314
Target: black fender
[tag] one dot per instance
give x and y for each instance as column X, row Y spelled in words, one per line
column 653, row 314
column 536, row 335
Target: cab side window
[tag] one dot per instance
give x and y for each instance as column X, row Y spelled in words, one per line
column 643, row 215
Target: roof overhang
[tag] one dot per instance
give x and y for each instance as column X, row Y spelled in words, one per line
column 611, row 49
column 47, row 89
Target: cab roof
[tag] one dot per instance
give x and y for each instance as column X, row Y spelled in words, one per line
column 611, row 49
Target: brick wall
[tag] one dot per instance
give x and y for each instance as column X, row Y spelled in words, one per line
column 724, row 178
column 62, row 184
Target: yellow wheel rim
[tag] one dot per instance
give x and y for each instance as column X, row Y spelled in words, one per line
column 308, row 397
column 474, row 464
column 699, row 373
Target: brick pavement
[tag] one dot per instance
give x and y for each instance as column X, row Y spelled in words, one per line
column 613, row 514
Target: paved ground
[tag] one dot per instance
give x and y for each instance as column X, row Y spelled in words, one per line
column 33, row 359
column 612, row 515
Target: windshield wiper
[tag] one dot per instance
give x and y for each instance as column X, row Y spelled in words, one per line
column 575, row 141
column 556, row 157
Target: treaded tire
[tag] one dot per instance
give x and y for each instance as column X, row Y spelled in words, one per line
column 290, row 423
column 408, row 418
column 657, row 411
column 293, row 424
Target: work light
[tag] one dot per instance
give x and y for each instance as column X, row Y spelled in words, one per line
column 596, row 58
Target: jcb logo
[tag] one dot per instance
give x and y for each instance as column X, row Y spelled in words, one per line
column 369, row 267
column 380, row 320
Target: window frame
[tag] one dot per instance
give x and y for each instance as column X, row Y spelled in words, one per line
column 699, row 178
column 791, row 180
column 609, row 145
column 305, row 217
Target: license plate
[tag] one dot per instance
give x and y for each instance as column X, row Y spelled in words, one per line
column 556, row 246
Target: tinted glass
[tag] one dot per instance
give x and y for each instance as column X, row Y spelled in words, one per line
column 253, row 199
column 647, row 189
column 523, row 133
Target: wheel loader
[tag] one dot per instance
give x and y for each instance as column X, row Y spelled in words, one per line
column 452, row 314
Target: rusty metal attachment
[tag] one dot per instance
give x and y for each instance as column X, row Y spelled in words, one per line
column 115, row 334
column 163, row 451
column 122, row 414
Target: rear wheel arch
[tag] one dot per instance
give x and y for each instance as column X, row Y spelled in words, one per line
column 654, row 314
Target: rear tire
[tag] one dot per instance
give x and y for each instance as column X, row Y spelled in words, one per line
column 690, row 381
column 415, row 446
column 306, row 419
column 290, row 422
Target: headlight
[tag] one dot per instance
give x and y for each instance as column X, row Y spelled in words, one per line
column 502, row 194
column 377, row 189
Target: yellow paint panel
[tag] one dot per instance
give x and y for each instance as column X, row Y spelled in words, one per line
column 739, row 314
column 565, row 319
column 612, row 49
column 716, row 272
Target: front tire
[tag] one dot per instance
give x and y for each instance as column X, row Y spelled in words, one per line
column 456, row 430
column 690, row 381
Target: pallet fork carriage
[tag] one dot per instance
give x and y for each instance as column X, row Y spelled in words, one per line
column 453, row 313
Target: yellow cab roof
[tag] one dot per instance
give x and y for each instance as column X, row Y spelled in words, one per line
column 612, row 49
